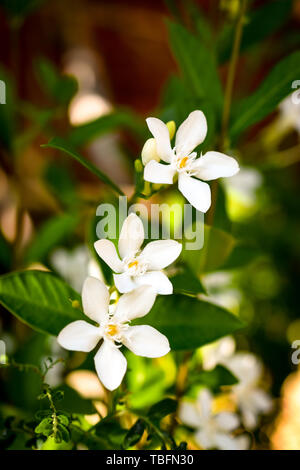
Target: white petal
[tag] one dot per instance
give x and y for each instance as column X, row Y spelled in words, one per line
column 246, row 367
column 107, row 251
column 131, row 236
column 213, row 165
column 95, row 299
column 158, row 173
column 195, row 191
column 204, row 439
column 227, row 421
column 110, row 365
column 149, row 151
column 225, row 442
column 124, row 283
column 249, row 417
column 143, row 340
column 191, row 133
column 157, row 280
column 79, row 336
column 242, row 442
column 189, row 415
column 135, row 304
column 204, row 400
column 260, row 400
column 161, row 253
column 160, row 132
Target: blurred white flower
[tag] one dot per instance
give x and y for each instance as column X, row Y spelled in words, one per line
column 289, row 114
column 244, row 185
column 181, row 160
column 139, row 267
column 74, row 266
column 251, row 400
column 220, row 289
column 113, row 327
column 217, row 352
column 213, row 430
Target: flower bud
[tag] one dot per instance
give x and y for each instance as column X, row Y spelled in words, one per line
column 149, row 151
column 172, row 128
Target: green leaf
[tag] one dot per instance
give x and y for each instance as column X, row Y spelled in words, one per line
column 111, row 432
column 63, row 419
column 72, row 402
column 260, row 23
column 134, row 434
column 269, row 94
column 216, row 378
column 60, row 144
column 45, row 427
column 39, row 299
column 52, row 444
column 197, row 64
column 61, row 183
column 218, row 245
column 190, row 323
column 53, row 231
column 83, row 134
column 60, row 87
column 162, row 409
column 185, row 282
column 242, row 254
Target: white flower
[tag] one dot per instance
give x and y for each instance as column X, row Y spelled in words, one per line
column 215, row 353
column 75, row 265
column 139, row 267
column 250, row 399
column 115, row 330
column 289, row 114
column 182, row 160
column 149, row 151
column 213, row 430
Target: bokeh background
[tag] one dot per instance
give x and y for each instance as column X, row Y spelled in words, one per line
column 93, row 70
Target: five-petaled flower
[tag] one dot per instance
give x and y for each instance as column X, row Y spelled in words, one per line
column 213, row 430
column 182, row 160
column 115, row 330
column 139, row 267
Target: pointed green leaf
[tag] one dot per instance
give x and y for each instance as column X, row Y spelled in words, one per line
column 39, row 299
column 269, row 94
column 60, row 144
column 190, row 323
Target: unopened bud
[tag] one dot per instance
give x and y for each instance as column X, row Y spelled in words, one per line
column 138, row 165
column 75, row 304
column 149, row 151
column 172, row 128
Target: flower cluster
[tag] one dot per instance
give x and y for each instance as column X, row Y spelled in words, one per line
column 139, row 275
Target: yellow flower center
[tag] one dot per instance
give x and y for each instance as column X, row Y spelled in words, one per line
column 133, row 264
column 112, row 330
column 183, row 162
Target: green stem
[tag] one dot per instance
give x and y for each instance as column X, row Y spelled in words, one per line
column 224, row 140
column 53, row 409
column 231, row 75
